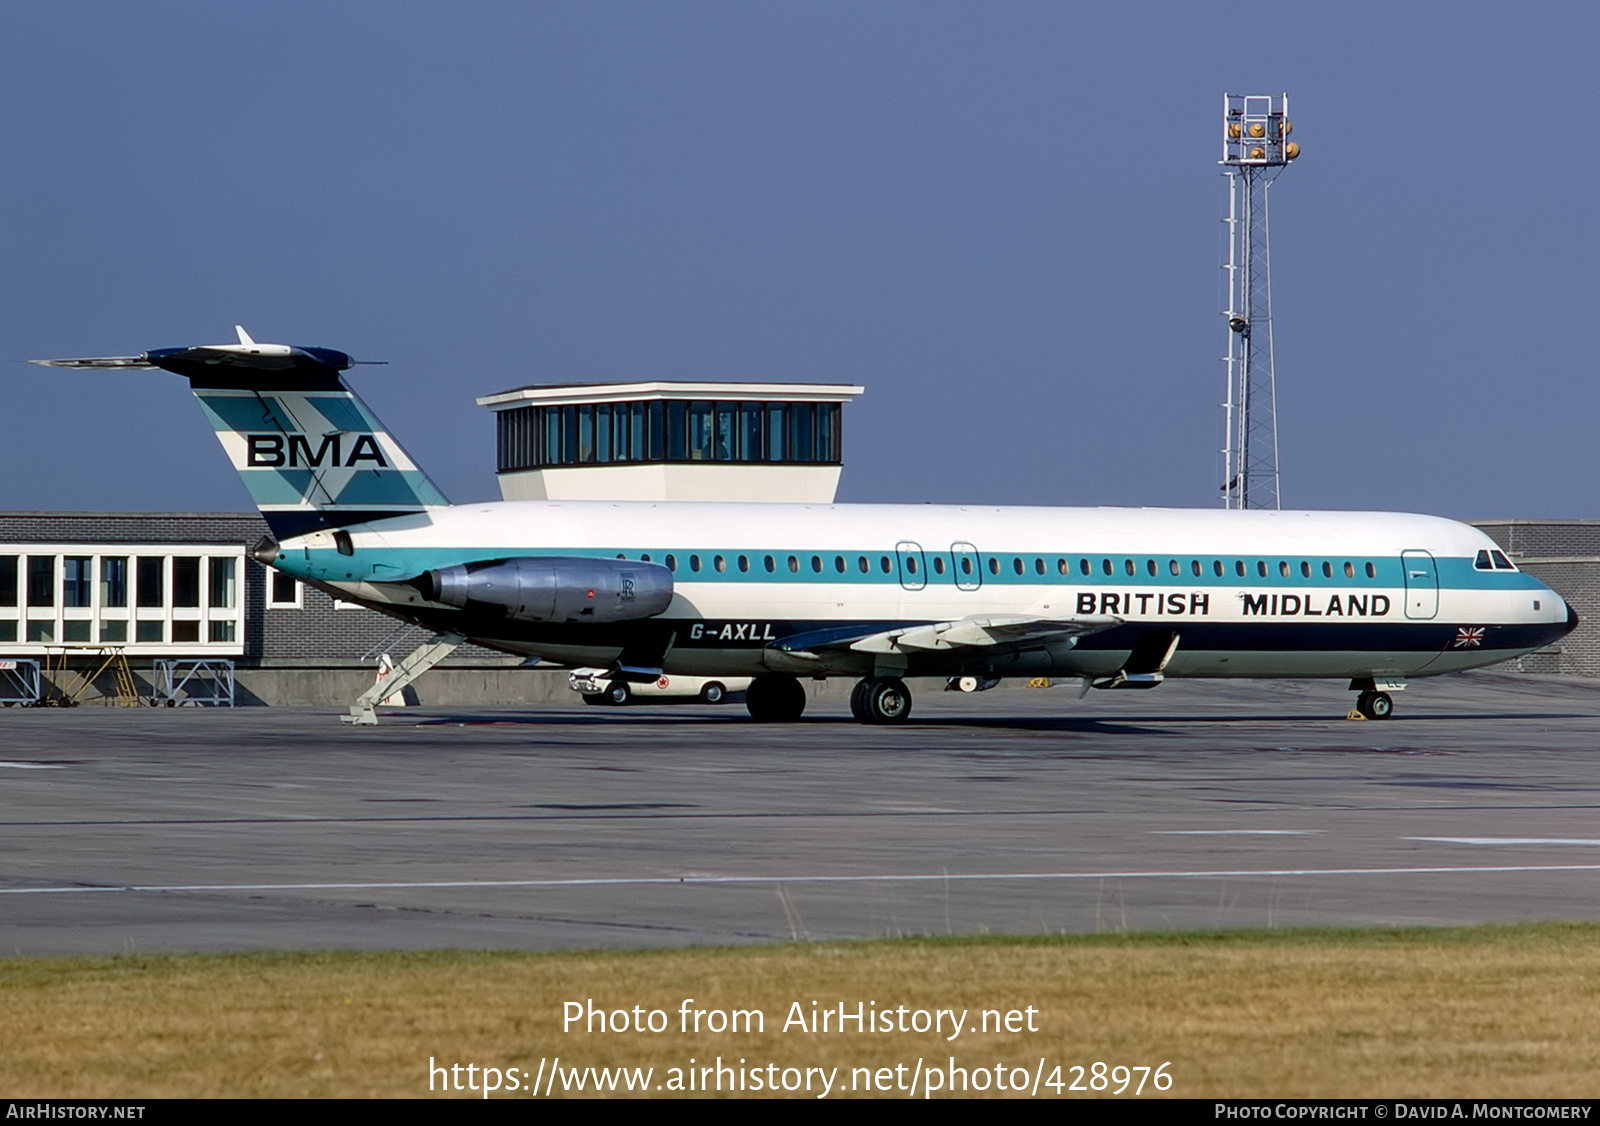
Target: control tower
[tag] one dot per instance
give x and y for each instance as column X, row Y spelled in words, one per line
column 1255, row 150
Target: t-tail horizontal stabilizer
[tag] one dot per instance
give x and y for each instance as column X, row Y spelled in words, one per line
column 309, row 450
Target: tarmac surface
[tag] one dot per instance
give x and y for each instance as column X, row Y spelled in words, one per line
column 1198, row 805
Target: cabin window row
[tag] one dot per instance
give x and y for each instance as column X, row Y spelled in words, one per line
column 963, row 565
column 668, row 430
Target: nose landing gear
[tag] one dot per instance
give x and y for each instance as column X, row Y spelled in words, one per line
column 1375, row 705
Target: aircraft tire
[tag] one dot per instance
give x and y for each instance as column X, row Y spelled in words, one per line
column 886, row 701
column 713, row 693
column 858, row 707
column 618, row 693
column 773, row 698
column 1375, row 705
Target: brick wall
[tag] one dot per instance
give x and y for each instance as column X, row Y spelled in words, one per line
column 1565, row 556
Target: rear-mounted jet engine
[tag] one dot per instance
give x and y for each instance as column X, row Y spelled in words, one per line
column 559, row 589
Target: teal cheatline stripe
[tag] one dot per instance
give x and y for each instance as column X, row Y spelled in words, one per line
column 246, row 413
column 277, row 486
column 342, row 413
column 389, row 486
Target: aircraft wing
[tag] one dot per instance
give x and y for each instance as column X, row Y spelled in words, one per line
column 974, row 633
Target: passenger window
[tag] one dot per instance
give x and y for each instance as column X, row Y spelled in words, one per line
column 1061, row 565
column 694, row 562
column 1216, row 567
column 1127, row 566
column 911, row 564
column 816, row 564
column 1038, row 566
column 883, row 564
column 938, row 564
column 994, row 565
column 1372, row 572
column 720, row 564
column 672, row 562
column 744, row 563
column 771, row 564
column 863, row 565
column 645, row 558
column 1327, row 569
column 1238, row 567
column 1261, row 567
column 1083, row 565
column 1016, row 564
column 1482, row 562
column 1349, row 570
column 1305, row 569
column 1283, row 569
column 1105, row 565
column 966, row 565
column 838, row 563
column 1173, row 568
column 1150, row 566
column 1194, row 565
column 794, row 565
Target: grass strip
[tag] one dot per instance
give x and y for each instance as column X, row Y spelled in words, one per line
column 1504, row 1012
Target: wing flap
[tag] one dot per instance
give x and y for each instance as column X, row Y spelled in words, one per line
column 976, row 632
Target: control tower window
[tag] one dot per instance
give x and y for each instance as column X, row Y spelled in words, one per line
column 672, row 430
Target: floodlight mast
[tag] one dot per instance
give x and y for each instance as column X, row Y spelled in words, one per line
column 1255, row 149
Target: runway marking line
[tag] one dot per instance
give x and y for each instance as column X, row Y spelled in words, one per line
column 640, row 881
column 1507, row 840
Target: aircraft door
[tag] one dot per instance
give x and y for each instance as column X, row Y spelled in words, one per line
column 913, row 568
column 964, row 558
column 1422, row 584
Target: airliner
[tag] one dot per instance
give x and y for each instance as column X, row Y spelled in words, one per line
column 1117, row 598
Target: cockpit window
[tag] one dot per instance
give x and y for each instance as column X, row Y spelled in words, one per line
column 1482, row 562
column 1501, row 563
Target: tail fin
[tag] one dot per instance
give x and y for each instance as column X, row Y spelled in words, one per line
column 309, row 450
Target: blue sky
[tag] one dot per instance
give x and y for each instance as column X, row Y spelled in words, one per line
column 1002, row 219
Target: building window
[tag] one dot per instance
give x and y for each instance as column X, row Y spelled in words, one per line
column 150, row 631
column 185, row 583
column 8, row 580
column 149, row 591
column 183, row 632
column 222, row 584
column 220, row 631
column 114, row 631
column 114, row 580
column 75, row 629
column 282, row 590
column 41, row 580
column 77, row 584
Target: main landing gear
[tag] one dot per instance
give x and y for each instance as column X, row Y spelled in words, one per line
column 775, row 699
column 881, row 700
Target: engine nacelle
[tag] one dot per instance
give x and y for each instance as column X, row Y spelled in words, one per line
column 554, row 588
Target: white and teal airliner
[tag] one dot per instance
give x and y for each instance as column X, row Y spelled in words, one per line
column 1120, row 598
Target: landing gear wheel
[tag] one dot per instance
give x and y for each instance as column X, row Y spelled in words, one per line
column 774, row 698
column 712, row 693
column 885, row 701
column 1375, row 705
column 618, row 693
column 858, row 707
